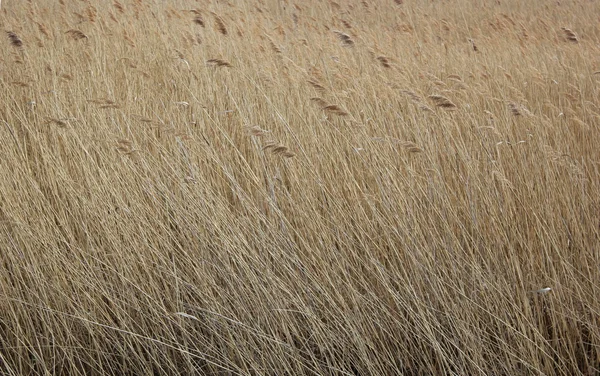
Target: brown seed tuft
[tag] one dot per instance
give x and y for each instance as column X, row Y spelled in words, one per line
column 257, row 131
column 199, row 20
column 119, row 7
column 334, row 109
column 412, row 95
column 274, row 47
column 344, row 38
column 319, row 101
column 42, row 28
column 219, row 63
column 570, row 35
column 61, row 123
column 442, row 101
column 517, row 109
column 473, row 45
column 14, row 39
column 385, row 62
column 316, row 85
column 76, row 34
column 220, row 24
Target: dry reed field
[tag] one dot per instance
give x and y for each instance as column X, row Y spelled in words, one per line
column 283, row 187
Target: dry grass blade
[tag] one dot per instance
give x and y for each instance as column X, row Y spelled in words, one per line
column 344, row 38
column 14, row 39
column 443, row 102
column 218, row 63
column 76, row 34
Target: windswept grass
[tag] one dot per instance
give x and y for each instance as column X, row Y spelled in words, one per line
column 299, row 188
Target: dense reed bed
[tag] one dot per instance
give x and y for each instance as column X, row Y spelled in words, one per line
column 299, row 188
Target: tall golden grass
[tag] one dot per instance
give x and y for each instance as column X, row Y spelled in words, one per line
column 300, row 188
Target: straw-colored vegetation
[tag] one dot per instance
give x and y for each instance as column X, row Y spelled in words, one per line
column 299, row 187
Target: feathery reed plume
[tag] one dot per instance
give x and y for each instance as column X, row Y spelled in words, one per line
column 442, row 101
column 218, row 63
column 319, row 101
column 412, row 95
column 61, row 123
column 76, row 34
column 385, row 62
column 125, row 147
column 104, row 103
column 42, row 28
column 316, row 85
column 220, row 24
column 199, row 20
column 269, row 145
column 514, row 109
column 399, row 2
column 20, row 83
column 257, row 131
column 344, row 38
column 425, row 108
column 570, row 35
column 473, row 45
column 501, row 179
column 119, row 6
column 278, row 149
column 274, row 47
column 517, row 109
column 335, row 109
column 92, row 13
column 411, row 147
column 14, row 39
column 331, row 108
column 346, row 24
